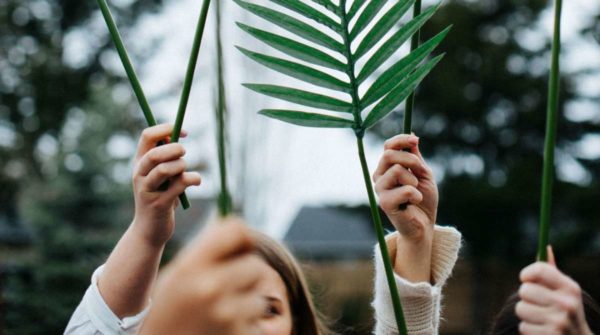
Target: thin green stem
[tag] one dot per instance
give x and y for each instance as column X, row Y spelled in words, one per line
column 385, row 255
column 133, row 78
column 191, row 69
column 410, row 101
column 550, row 142
column 224, row 200
column 187, row 83
column 358, row 128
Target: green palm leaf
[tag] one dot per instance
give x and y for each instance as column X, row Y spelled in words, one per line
column 389, row 88
column 294, row 49
column 356, row 6
column 293, row 25
column 400, row 93
column 394, row 43
column 366, row 16
column 310, row 13
column 390, row 78
column 308, row 99
column 329, row 5
column 307, row 119
column 298, row 71
column 382, row 27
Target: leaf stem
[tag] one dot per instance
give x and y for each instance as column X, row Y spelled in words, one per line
column 133, row 78
column 224, row 200
column 550, row 141
column 410, row 101
column 385, row 255
column 359, row 130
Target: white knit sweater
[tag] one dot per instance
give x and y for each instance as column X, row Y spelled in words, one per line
column 421, row 302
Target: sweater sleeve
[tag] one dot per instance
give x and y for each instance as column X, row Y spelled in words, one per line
column 94, row 316
column 421, row 302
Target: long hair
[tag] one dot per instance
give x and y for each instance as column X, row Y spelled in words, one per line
column 507, row 322
column 306, row 320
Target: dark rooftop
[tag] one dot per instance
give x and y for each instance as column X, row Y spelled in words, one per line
column 327, row 233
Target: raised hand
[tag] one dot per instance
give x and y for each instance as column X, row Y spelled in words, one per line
column 551, row 302
column 154, row 165
column 406, row 187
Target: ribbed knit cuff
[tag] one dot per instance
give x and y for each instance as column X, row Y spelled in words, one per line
column 420, row 301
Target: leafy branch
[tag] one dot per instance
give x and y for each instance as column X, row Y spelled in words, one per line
column 318, row 46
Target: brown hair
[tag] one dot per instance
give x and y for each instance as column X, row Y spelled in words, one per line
column 507, row 322
column 306, row 320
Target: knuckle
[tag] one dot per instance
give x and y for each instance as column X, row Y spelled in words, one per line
column 146, row 134
column 162, row 170
column 207, row 289
column 388, row 155
column 561, row 323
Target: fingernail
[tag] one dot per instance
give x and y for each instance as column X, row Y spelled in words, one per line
column 413, row 140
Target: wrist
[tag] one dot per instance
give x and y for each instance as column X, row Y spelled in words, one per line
column 412, row 257
column 145, row 237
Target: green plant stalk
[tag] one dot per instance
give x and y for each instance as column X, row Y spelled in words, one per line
column 385, row 255
column 550, row 142
column 133, row 78
column 189, row 79
column 410, row 101
column 224, row 199
column 191, row 69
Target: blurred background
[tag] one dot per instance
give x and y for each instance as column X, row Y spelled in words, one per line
column 69, row 125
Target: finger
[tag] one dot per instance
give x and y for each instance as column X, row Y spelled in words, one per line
column 396, row 176
column 544, row 274
column 401, row 142
column 158, row 155
column 222, row 241
column 181, row 182
column 526, row 328
column 241, row 273
column 233, row 313
column 161, row 173
column 531, row 313
column 390, row 200
column 151, row 136
column 536, row 294
column 551, row 259
column 405, row 159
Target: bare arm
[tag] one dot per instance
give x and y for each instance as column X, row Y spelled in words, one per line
column 131, row 269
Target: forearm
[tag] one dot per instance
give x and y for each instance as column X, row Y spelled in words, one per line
column 129, row 274
column 411, row 258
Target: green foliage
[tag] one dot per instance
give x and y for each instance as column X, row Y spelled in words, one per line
column 388, row 91
column 390, row 88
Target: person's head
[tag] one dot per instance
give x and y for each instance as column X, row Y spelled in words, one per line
column 507, row 322
column 291, row 310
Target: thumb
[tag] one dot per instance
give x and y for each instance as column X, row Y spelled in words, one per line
column 551, row 259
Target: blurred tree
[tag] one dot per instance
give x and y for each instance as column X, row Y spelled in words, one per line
column 481, row 117
column 66, row 126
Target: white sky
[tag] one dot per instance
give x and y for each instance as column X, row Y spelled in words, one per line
column 291, row 166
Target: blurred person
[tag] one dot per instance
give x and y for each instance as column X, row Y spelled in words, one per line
column 210, row 289
column 548, row 302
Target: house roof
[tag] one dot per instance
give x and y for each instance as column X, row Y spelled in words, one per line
column 328, row 233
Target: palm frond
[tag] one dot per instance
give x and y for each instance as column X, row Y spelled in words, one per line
column 389, row 87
